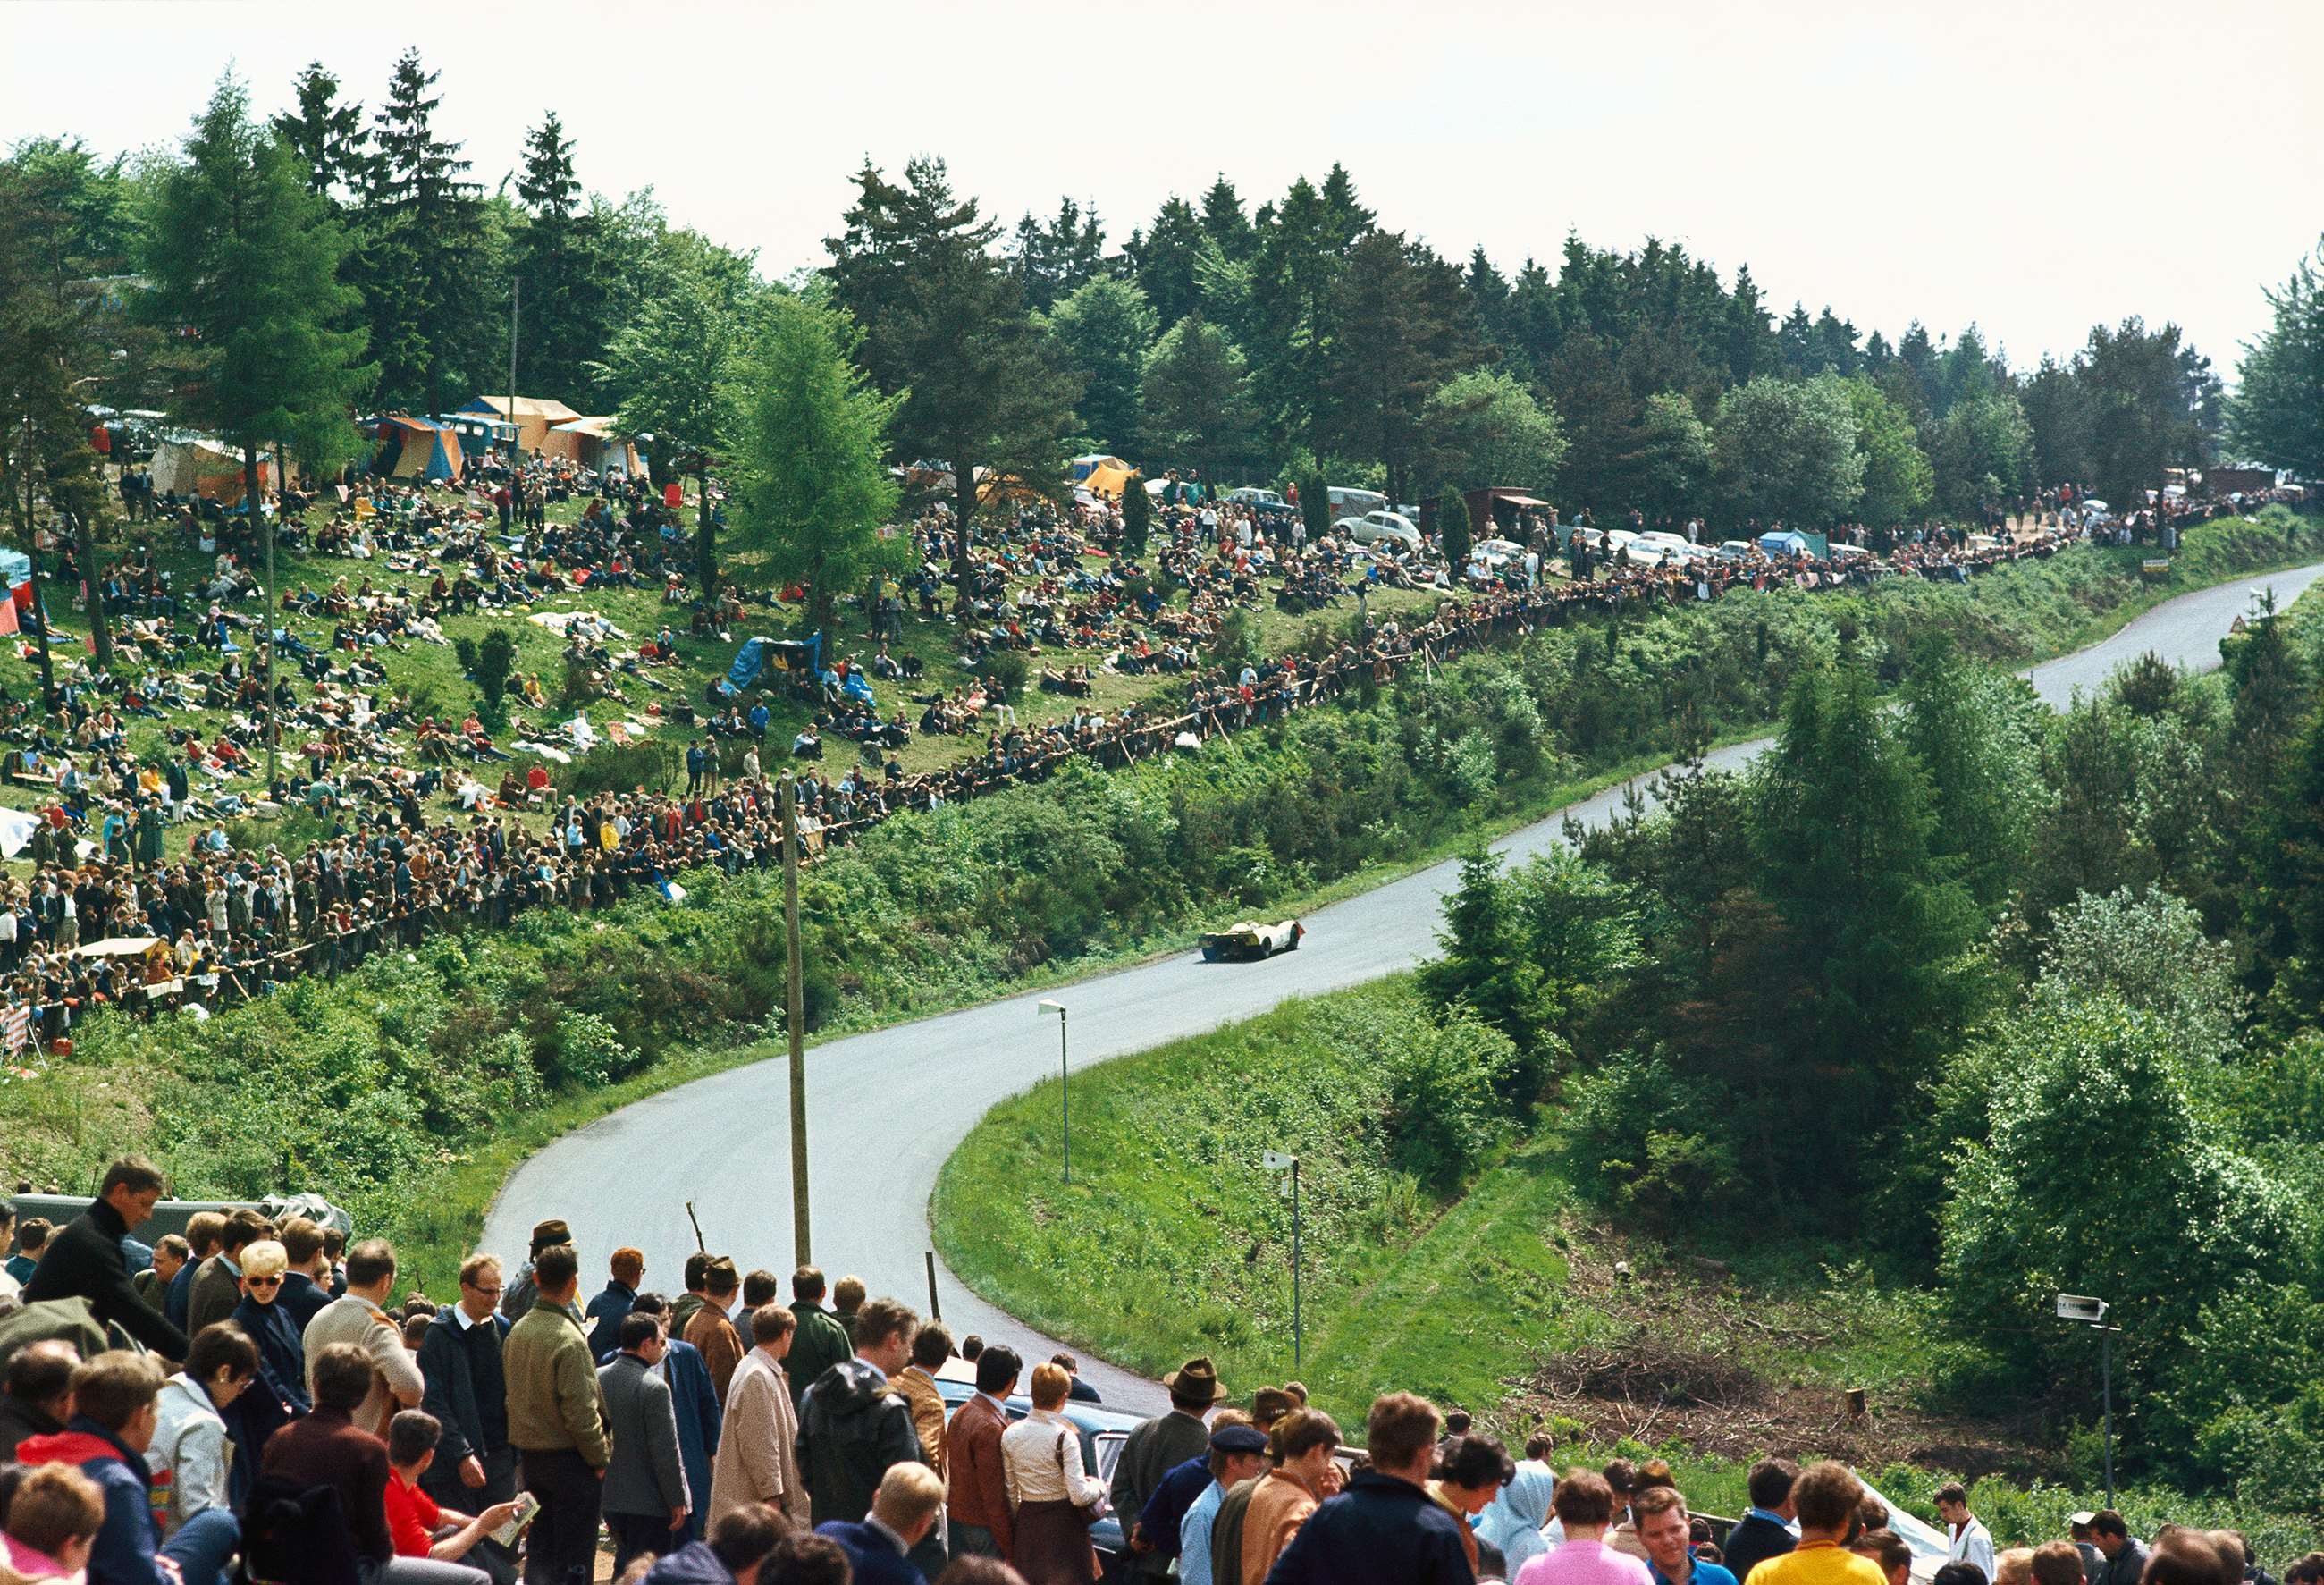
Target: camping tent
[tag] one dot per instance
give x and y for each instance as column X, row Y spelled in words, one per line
column 535, row 416
column 1108, row 479
column 594, row 443
column 206, row 468
column 414, row 448
column 1078, row 469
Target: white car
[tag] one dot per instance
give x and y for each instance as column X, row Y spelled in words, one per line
column 1736, row 549
column 1637, row 549
column 1375, row 526
column 1251, row 495
column 1677, row 548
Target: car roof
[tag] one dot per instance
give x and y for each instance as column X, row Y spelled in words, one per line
column 1094, row 1418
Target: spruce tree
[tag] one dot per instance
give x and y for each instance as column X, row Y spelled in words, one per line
column 1136, row 515
column 422, row 225
column 558, row 261
column 329, row 136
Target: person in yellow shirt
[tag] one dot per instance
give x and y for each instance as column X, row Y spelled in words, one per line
column 1825, row 1496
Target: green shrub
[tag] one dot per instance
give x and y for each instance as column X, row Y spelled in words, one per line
column 1005, row 670
column 651, row 764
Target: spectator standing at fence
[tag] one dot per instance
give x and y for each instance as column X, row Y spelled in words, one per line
column 190, row 1445
column 1966, row 1540
column 851, row 1425
column 306, row 1285
column 2125, row 1557
column 976, row 1507
column 203, row 1230
column 1305, row 1474
column 701, row 1421
column 86, row 1261
column 217, row 1285
column 152, row 1284
column 712, row 1331
column 1155, row 1448
column 758, row 1443
column 520, row 1294
column 1050, row 1492
column 1237, row 1452
column 606, row 1310
column 1667, row 1532
column 472, row 1465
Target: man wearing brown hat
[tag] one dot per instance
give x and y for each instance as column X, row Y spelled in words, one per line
column 524, row 1291
column 1159, row 1446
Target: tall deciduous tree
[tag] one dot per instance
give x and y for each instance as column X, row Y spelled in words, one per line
column 1897, row 482
column 1101, row 332
column 809, row 443
column 1673, row 457
column 945, row 325
column 2277, row 416
column 1487, row 429
column 1786, row 452
column 244, row 253
column 1196, row 399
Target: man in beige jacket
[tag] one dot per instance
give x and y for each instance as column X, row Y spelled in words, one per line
column 757, row 1444
column 359, row 1317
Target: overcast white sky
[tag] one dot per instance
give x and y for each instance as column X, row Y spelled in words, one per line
column 2033, row 165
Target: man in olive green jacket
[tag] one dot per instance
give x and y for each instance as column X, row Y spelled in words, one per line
column 556, row 1422
column 820, row 1341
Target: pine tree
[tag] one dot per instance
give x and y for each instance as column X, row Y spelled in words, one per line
column 421, row 227
column 945, row 321
column 2278, row 413
column 1484, row 967
column 670, row 365
column 1194, row 397
column 1842, row 824
column 1403, row 330
column 561, row 312
column 327, row 137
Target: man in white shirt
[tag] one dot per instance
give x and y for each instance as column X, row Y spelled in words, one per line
column 1968, row 1540
column 359, row 1317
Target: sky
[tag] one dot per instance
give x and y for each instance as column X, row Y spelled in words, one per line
column 2034, row 166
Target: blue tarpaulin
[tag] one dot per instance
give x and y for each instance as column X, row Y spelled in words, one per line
column 1789, row 542
column 760, row 654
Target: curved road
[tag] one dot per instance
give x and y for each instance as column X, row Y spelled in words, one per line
column 887, row 1109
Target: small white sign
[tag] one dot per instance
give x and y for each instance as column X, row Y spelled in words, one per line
column 1277, row 1161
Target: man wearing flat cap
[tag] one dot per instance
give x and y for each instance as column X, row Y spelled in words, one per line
column 1158, row 1447
column 1178, row 1516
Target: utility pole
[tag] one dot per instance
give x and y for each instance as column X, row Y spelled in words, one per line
column 1281, row 1161
column 1065, row 1083
column 516, row 436
column 800, row 1237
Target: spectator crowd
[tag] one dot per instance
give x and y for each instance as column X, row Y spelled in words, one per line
column 108, row 918
column 246, row 1400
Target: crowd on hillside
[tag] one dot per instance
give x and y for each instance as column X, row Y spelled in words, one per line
column 429, row 826
column 248, row 1400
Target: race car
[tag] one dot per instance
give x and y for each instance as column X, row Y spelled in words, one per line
column 1246, row 942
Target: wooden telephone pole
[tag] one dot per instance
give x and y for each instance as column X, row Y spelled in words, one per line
column 800, row 1237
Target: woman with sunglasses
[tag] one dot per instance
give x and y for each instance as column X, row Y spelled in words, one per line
column 279, row 1394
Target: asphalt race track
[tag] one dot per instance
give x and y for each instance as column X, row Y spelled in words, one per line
column 887, row 1109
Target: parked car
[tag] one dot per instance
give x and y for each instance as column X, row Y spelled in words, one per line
column 1640, row 551
column 1252, row 495
column 1677, row 548
column 1245, row 942
column 1375, row 526
column 1735, row 549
